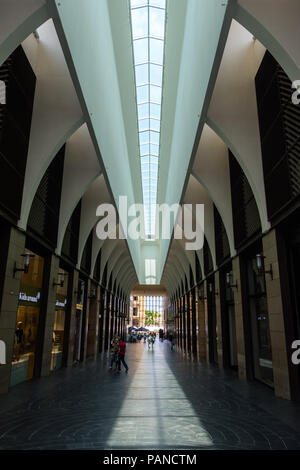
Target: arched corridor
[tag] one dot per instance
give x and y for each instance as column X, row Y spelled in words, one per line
column 149, row 185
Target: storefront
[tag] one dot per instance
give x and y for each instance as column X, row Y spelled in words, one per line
column 79, row 320
column 28, row 319
column 59, row 321
column 93, row 324
column 259, row 319
column 227, row 288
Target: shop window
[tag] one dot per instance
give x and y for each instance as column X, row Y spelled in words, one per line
column 27, row 325
column 279, row 122
column 261, row 340
column 59, row 320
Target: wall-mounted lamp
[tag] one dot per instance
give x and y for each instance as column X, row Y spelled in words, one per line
column 62, row 280
column 210, row 288
column 25, row 270
column 229, row 281
column 259, row 264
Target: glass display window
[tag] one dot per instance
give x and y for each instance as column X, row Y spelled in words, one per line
column 261, row 339
column 59, row 320
column 27, row 323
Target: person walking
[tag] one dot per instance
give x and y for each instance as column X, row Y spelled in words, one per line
column 114, row 352
column 121, row 356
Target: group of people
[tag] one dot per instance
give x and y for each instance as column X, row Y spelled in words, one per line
column 117, row 354
column 150, row 338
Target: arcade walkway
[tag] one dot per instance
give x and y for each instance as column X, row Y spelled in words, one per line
column 164, row 402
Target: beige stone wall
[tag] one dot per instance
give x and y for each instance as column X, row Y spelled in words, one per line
column 219, row 320
column 9, row 303
column 238, row 307
column 71, row 339
column 276, row 320
column 93, row 324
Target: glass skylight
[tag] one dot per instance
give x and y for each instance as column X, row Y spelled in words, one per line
column 148, row 18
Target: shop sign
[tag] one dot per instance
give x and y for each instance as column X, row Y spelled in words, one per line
column 29, row 295
column 61, row 301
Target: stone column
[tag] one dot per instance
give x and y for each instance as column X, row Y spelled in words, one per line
column 49, row 306
column 200, row 318
column 219, row 319
column 239, row 321
column 72, row 291
column 276, row 318
column 85, row 323
column 93, row 325
column 11, row 250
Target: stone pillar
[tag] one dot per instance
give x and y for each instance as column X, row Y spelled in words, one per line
column 276, row 318
column 85, row 323
column 200, row 318
column 206, row 333
column 93, row 325
column 180, row 324
column 72, row 290
column 219, row 319
column 49, row 306
column 239, row 321
column 11, row 250
column 194, row 324
column 101, row 320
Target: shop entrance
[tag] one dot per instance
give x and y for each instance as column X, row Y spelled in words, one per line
column 228, row 318
column 27, row 324
column 79, row 321
column 92, row 323
column 59, row 321
column 259, row 322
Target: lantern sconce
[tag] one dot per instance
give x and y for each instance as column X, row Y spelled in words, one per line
column 25, row 270
column 229, row 281
column 259, row 264
column 62, row 280
column 210, row 288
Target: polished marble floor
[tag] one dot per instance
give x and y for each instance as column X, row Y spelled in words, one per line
column 165, row 402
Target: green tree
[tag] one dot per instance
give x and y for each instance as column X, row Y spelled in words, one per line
column 151, row 318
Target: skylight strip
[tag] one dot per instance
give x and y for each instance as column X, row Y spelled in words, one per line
column 148, row 19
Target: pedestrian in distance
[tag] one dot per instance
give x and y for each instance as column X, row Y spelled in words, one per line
column 121, row 356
